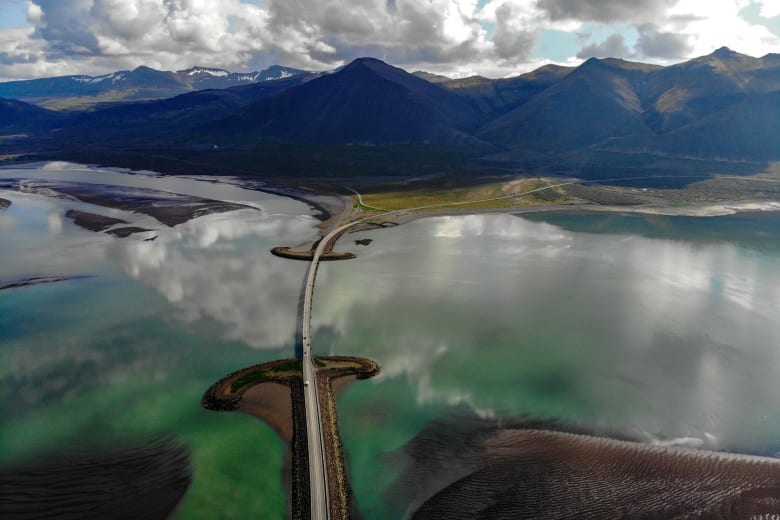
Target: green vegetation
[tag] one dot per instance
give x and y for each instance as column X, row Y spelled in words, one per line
column 248, row 379
column 87, row 102
column 288, row 366
column 318, row 362
column 359, row 205
column 456, row 193
column 266, row 373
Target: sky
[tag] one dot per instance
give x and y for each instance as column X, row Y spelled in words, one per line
column 494, row 38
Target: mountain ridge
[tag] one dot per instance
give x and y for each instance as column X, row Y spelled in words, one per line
column 602, row 116
column 125, row 85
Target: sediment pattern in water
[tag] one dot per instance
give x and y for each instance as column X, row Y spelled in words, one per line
column 483, row 471
column 145, row 480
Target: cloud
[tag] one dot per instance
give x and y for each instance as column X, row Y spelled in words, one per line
column 460, row 37
column 613, row 47
column 604, row 10
column 769, row 8
column 718, row 25
column 513, row 38
column 667, row 45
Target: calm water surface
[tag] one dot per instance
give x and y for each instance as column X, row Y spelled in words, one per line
column 660, row 327
column 664, row 327
column 129, row 351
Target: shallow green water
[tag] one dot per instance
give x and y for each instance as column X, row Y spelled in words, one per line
column 129, row 351
column 660, row 327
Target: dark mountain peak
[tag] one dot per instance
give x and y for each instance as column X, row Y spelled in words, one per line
column 144, row 68
column 367, row 101
column 592, row 62
column 369, row 68
column 601, row 65
column 278, row 68
column 373, row 65
column 367, row 61
column 593, row 66
column 724, row 53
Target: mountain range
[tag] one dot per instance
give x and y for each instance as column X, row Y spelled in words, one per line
column 140, row 83
column 718, row 113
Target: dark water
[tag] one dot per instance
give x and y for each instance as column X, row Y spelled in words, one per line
column 662, row 328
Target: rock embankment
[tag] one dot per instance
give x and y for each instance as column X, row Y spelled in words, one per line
column 286, row 252
column 273, row 392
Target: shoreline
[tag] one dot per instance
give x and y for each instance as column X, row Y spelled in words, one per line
column 701, row 211
column 333, row 210
column 327, row 207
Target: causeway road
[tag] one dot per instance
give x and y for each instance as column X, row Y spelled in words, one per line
column 318, row 471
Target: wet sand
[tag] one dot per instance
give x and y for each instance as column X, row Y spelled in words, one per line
column 92, row 221
column 271, row 402
column 468, row 468
column 168, row 208
column 145, row 480
column 37, row 280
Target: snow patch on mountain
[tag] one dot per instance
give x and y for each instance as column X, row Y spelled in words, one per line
column 283, row 74
column 213, row 72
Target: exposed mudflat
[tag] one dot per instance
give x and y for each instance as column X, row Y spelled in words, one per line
column 36, row 280
column 168, row 208
column 480, row 470
column 145, row 480
column 92, row 221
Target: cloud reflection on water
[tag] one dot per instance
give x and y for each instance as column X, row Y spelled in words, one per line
column 204, row 270
column 666, row 335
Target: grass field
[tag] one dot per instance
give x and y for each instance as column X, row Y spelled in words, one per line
column 392, row 198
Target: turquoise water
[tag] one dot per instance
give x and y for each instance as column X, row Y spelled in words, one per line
column 128, row 351
column 658, row 327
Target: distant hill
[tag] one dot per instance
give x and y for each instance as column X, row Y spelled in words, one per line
column 719, row 106
column 498, row 96
column 19, row 117
column 178, row 114
column 594, row 103
column 140, row 83
column 431, row 77
column 719, row 112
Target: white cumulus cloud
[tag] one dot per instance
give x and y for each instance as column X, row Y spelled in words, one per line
column 459, row 37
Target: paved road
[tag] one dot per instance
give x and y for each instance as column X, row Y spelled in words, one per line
column 360, row 200
column 318, row 474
